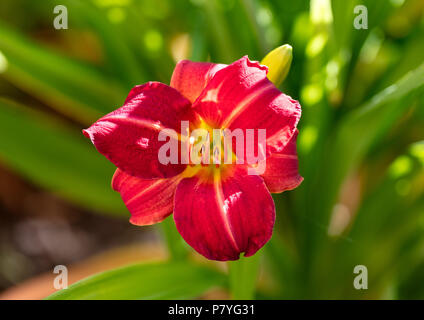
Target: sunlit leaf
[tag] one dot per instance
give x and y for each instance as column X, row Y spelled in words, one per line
column 145, row 281
column 358, row 130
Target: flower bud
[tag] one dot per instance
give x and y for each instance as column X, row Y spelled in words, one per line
column 278, row 62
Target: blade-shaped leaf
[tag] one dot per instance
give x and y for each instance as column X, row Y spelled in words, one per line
column 358, row 130
column 120, row 58
column 344, row 150
column 72, row 87
column 56, row 158
column 176, row 280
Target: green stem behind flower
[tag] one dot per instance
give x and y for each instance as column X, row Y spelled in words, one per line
column 175, row 244
column 243, row 275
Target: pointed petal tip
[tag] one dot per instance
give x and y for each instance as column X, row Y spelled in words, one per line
column 86, row 133
column 297, row 181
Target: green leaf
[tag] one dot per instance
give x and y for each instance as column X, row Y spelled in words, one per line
column 173, row 280
column 283, row 265
column 343, row 152
column 49, row 154
column 358, row 130
column 220, row 32
column 72, row 87
column 120, row 57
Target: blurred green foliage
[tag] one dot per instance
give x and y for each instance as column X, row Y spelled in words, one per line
column 173, row 280
column 362, row 93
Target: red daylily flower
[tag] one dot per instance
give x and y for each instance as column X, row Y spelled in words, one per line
column 220, row 210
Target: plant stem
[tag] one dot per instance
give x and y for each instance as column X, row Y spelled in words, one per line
column 175, row 244
column 243, row 275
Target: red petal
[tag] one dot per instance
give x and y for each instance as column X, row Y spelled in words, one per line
column 128, row 136
column 282, row 169
column 241, row 96
column 222, row 219
column 148, row 201
column 190, row 78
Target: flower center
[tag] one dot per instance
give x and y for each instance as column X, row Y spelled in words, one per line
column 209, row 150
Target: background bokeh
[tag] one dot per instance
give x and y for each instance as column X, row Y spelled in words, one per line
column 361, row 142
